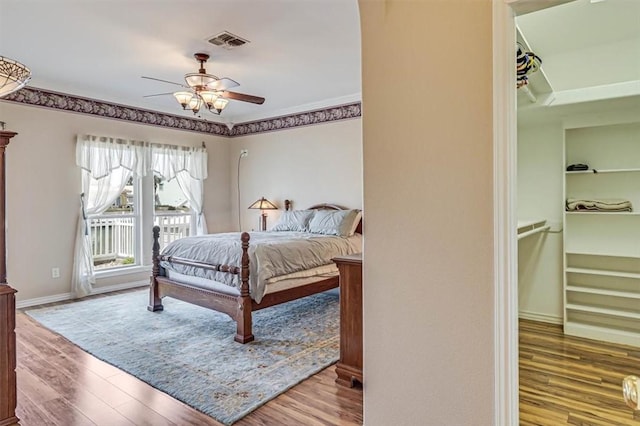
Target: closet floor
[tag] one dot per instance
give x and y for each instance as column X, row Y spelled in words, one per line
column 571, row 380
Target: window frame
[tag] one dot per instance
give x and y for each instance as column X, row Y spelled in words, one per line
column 145, row 215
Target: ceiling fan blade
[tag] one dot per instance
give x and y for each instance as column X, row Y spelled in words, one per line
column 158, row 94
column 242, row 97
column 164, row 81
column 223, row 84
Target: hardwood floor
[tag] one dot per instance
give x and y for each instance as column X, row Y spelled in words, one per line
column 572, row 381
column 563, row 381
column 59, row 384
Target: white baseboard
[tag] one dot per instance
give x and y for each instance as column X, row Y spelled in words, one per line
column 125, row 286
column 535, row 316
column 42, row 300
column 68, row 296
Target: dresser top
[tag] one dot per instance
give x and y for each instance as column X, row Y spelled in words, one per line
column 350, row 258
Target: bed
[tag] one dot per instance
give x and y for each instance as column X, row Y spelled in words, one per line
column 225, row 273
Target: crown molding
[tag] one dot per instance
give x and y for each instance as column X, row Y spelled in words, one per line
column 75, row 104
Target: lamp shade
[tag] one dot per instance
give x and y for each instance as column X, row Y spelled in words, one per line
column 263, row 204
column 13, row 76
column 183, row 98
column 220, row 103
column 208, row 97
column 194, row 104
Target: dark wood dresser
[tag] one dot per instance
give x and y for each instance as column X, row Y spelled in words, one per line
column 8, row 398
column 349, row 367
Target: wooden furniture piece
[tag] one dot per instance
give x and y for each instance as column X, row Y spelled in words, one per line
column 8, row 392
column 602, row 248
column 349, row 367
column 238, row 307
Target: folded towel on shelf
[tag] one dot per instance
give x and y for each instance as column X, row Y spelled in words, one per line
column 605, row 205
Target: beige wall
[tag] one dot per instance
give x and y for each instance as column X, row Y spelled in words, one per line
column 308, row 165
column 43, row 186
column 428, row 257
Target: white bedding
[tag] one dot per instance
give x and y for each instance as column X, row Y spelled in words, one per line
column 271, row 255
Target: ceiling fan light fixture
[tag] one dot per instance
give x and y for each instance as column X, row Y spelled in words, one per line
column 204, row 89
column 199, row 80
column 13, row 76
column 208, row 97
column 195, row 104
column 220, row 104
column 183, row 98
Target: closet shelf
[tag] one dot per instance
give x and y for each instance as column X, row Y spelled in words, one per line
column 539, row 90
column 603, row 311
column 602, row 292
column 602, row 255
column 601, row 213
column 598, row 171
column 603, row 272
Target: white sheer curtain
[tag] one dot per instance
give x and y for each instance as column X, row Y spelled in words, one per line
column 189, row 166
column 107, row 164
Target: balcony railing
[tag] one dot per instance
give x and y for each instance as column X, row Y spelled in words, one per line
column 113, row 238
column 172, row 226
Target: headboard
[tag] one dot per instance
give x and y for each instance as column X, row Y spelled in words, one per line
column 324, row 206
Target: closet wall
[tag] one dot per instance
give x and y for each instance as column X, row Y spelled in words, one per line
column 540, row 195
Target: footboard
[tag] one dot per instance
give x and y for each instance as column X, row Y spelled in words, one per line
column 237, row 307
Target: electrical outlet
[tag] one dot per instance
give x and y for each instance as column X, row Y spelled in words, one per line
column 55, row 272
column 244, row 153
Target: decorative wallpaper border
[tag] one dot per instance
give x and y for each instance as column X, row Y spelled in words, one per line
column 71, row 103
column 340, row 112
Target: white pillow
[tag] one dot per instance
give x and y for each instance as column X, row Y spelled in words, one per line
column 334, row 222
column 356, row 222
column 294, row 220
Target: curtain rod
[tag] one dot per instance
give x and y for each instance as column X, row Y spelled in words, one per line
column 129, row 141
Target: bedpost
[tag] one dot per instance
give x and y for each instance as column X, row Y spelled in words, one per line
column 155, row 302
column 243, row 315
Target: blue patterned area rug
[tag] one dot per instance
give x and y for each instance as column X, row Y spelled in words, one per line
column 188, row 352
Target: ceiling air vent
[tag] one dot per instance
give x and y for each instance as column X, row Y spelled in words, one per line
column 227, row 40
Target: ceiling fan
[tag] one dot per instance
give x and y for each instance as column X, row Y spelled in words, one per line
column 206, row 90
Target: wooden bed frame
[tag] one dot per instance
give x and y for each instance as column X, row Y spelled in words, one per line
column 239, row 307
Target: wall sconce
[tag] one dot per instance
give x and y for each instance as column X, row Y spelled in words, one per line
column 263, row 204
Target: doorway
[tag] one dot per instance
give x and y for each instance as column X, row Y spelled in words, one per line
column 549, row 250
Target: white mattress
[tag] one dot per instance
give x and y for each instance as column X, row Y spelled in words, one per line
column 274, row 284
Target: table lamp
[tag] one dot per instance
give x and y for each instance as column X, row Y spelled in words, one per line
column 263, row 204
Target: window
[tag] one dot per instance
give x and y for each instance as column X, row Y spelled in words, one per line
column 117, row 233
column 114, row 241
column 172, row 211
column 127, row 186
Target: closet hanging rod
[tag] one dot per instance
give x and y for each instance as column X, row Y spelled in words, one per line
column 533, row 231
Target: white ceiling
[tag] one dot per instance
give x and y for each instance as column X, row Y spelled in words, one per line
column 586, row 43
column 302, row 54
